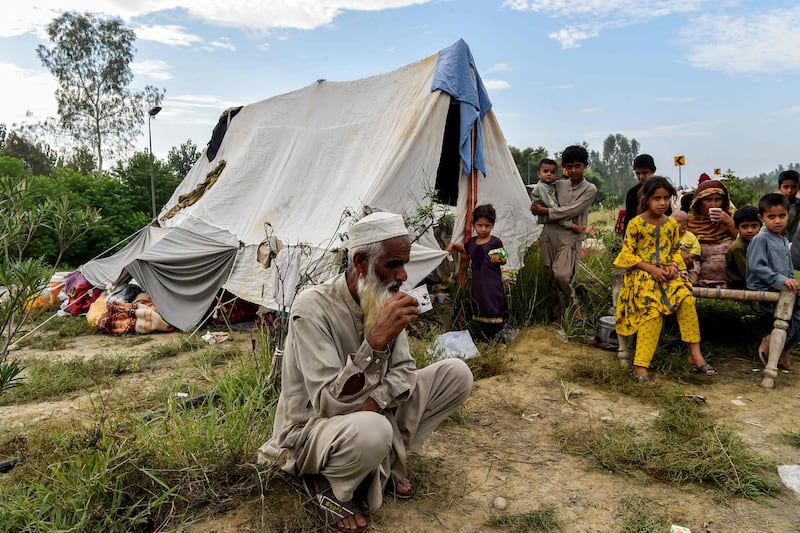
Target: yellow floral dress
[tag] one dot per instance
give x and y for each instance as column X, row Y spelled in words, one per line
column 642, row 297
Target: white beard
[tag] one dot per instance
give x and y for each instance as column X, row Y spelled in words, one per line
column 372, row 295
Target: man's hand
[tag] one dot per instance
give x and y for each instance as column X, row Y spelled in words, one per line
column 399, row 311
column 791, row 284
column 538, row 209
column 369, row 405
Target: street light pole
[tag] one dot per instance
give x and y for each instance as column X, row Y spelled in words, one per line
column 151, row 114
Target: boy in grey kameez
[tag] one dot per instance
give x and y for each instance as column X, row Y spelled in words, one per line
column 352, row 402
column 561, row 248
column 769, row 267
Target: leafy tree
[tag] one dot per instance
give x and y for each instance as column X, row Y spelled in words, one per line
column 82, row 160
column 90, row 58
column 527, row 161
column 68, row 224
column 38, row 156
column 134, row 175
column 3, row 133
column 618, row 155
column 182, row 158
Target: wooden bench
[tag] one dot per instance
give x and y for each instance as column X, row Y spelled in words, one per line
column 783, row 314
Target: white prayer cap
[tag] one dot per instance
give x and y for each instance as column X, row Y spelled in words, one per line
column 376, row 227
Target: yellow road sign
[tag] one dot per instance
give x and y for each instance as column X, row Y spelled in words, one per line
column 680, row 160
column 718, row 172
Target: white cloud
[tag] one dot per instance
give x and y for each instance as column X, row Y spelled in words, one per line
column 564, row 86
column 590, row 17
column 197, row 101
column 31, row 15
column 223, row 43
column 499, row 67
column 765, row 42
column 591, row 109
column 793, row 109
column 571, row 36
column 154, row 69
column 26, row 94
column 264, row 47
column 642, row 9
column 170, row 34
column 496, row 85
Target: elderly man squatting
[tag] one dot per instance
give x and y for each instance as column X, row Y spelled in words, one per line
column 352, row 402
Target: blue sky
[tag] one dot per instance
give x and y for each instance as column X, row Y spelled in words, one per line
column 716, row 81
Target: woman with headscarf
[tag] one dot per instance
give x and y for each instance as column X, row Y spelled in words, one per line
column 711, row 221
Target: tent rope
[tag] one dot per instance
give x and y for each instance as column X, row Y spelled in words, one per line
column 101, row 254
column 81, row 297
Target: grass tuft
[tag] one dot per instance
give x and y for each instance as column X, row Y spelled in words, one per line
column 545, row 518
column 640, row 516
column 792, row 437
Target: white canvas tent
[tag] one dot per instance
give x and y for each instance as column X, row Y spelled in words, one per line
column 296, row 162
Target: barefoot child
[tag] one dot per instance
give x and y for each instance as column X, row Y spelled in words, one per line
column 769, row 267
column 486, row 256
column 544, row 193
column 652, row 287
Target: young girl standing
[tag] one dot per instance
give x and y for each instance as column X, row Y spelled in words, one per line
column 488, row 295
column 652, row 287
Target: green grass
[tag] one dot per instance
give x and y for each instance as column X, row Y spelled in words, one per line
column 792, row 437
column 682, row 446
column 641, row 516
column 545, row 518
column 48, row 379
column 125, row 474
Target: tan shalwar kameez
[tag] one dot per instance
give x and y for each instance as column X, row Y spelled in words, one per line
column 561, row 247
column 318, row 431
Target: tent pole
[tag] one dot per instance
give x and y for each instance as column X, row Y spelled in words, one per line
column 472, row 201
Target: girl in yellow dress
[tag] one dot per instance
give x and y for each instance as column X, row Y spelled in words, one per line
column 652, row 286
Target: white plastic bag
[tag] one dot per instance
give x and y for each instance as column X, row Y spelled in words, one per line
column 453, row 344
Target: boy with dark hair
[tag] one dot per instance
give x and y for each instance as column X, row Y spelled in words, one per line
column 769, row 268
column 748, row 224
column 788, row 183
column 544, row 193
column 561, row 248
column 643, row 167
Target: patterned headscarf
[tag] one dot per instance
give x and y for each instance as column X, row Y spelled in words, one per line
column 706, row 230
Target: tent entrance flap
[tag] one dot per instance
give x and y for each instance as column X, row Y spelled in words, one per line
column 450, row 161
column 182, row 273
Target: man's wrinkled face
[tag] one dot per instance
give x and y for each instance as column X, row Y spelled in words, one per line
column 383, row 277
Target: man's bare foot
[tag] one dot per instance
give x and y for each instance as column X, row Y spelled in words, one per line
column 352, row 523
column 403, row 487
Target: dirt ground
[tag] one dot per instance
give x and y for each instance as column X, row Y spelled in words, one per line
column 508, row 445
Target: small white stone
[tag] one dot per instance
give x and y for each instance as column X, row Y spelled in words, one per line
column 500, row 503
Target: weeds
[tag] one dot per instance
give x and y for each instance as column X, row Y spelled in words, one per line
column 792, row 437
column 641, row 517
column 682, row 447
column 125, row 474
column 545, row 518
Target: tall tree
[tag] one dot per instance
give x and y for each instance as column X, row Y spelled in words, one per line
column 182, row 158
column 90, row 58
column 618, row 155
column 38, row 156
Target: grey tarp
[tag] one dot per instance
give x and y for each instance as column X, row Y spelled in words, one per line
column 180, row 270
column 107, row 271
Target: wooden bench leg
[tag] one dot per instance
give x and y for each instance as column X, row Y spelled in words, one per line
column 783, row 314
